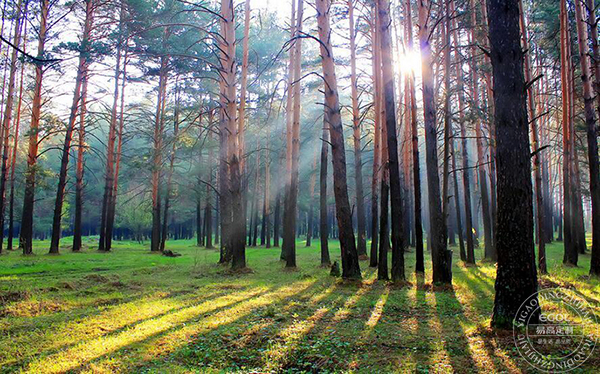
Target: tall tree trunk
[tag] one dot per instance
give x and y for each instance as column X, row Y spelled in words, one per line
column 570, row 252
column 323, row 218
column 465, row 153
column 350, row 265
column 168, row 192
column 392, row 144
column 360, row 203
column 110, row 148
column 541, row 237
column 441, row 256
column 377, row 173
column 516, row 278
column 489, row 252
column 592, row 136
column 155, row 238
column 15, row 146
column 26, row 235
column 420, row 262
column 236, row 232
column 79, row 173
column 290, row 209
column 6, row 121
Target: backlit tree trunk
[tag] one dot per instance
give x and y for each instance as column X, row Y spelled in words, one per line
column 420, row 262
column 26, row 235
column 592, row 137
column 376, row 179
column 360, row 204
column 66, row 149
column 290, row 209
column 6, row 121
column 441, row 256
column 516, row 278
column 323, row 218
column 350, row 265
column 392, row 144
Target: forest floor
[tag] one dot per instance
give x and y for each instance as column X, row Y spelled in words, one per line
column 132, row 311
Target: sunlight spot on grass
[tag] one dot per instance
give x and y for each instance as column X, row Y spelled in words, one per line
column 181, row 331
column 377, row 311
column 87, row 351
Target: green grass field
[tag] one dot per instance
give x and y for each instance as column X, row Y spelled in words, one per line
column 132, row 311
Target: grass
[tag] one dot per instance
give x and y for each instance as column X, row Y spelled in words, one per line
column 132, row 311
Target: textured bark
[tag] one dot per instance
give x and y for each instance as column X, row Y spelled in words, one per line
column 356, row 134
column 447, row 113
column 350, row 265
column 541, row 237
column 441, row 256
column 570, row 250
column 392, row 143
column 26, row 235
column 516, row 278
column 592, row 136
column 323, row 219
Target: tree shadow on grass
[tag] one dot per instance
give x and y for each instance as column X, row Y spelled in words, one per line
column 178, row 340
column 79, row 355
column 450, row 315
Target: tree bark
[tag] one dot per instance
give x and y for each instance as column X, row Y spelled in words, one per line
column 516, row 278
column 323, row 219
column 290, row 209
column 592, row 136
column 26, row 235
column 392, row 144
column 350, row 265
column 541, row 237
column 360, row 203
column 6, row 121
column 441, row 256
column 419, row 250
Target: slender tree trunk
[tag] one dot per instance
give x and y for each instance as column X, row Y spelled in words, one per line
column 516, row 278
column 465, row 154
column 155, row 239
column 360, row 204
column 15, row 145
column 441, row 256
column 79, row 173
column 377, row 173
column 350, row 265
column 570, row 256
column 290, row 209
column 6, row 121
column 311, row 202
column 592, row 136
column 489, row 252
column 541, row 237
column 323, row 219
column 420, row 262
column 392, row 144
column 26, row 235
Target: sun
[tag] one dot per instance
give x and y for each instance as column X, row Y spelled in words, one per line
column 409, row 62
